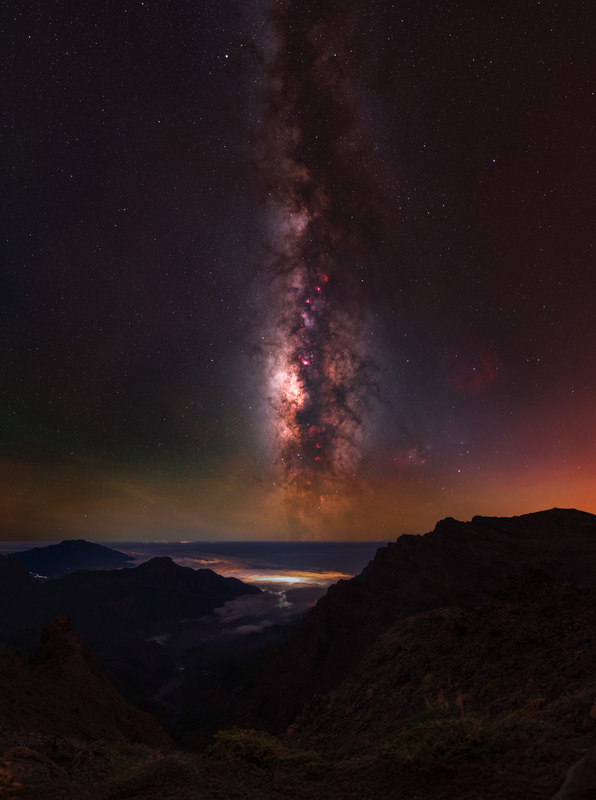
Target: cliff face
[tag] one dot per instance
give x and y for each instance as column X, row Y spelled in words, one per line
column 527, row 651
column 63, row 691
column 458, row 564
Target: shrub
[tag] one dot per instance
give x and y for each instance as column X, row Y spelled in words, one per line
column 125, row 756
column 256, row 747
column 570, row 707
column 443, row 711
column 469, row 668
column 348, row 750
column 485, row 689
column 448, row 739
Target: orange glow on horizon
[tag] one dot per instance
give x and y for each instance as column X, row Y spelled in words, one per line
column 105, row 501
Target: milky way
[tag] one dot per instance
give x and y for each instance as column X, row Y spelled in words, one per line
column 316, row 350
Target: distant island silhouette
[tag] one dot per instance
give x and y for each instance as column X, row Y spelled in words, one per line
column 70, row 555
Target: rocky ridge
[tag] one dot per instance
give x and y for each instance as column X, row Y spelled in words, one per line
column 144, row 623
column 514, row 665
column 524, row 648
column 458, row 564
column 63, row 691
column 523, row 664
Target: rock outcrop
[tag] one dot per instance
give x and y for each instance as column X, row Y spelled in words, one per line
column 63, row 691
column 458, row 564
column 580, row 781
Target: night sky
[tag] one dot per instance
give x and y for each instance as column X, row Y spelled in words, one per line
column 295, row 269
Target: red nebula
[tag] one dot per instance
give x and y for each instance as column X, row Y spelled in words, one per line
column 472, row 374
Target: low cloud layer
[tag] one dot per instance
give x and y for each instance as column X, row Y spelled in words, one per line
column 252, row 613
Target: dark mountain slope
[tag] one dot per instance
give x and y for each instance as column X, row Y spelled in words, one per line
column 523, row 653
column 64, row 691
column 20, row 606
column 458, row 564
column 143, row 601
column 107, row 605
column 139, row 621
column 498, row 703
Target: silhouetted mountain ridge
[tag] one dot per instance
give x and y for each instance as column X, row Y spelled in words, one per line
column 457, row 564
column 55, row 560
column 111, row 604
column 139, row 621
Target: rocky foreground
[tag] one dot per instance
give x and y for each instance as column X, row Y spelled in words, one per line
column 457, row 564
column 508, row 688
column 63, row 691
column 494, row 704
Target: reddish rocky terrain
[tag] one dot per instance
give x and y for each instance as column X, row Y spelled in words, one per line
column 458, row 564
column 63, row 691
column 522, row 666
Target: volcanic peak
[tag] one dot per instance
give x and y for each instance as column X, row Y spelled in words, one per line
column 69, row 555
